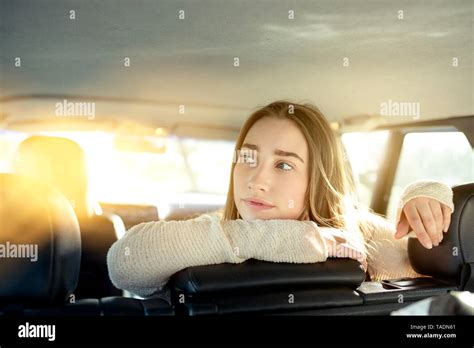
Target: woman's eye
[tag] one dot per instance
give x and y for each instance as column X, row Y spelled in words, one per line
column 284, row 166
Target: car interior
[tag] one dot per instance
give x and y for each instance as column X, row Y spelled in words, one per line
column 171, row 83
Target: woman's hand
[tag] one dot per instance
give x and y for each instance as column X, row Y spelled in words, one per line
column 427, row 217
column 339, row 245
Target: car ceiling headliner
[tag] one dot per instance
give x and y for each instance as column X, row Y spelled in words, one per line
column 190, row 61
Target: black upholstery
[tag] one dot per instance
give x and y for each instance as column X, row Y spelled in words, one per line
column 254, row 273
column 61, row 162
column 258, row 286
column 32, row 213
column 94, row 280
column 293, row 298
column 119, row 306
column 454, row 257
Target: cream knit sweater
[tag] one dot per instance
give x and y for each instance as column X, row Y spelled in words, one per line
column 149, row 253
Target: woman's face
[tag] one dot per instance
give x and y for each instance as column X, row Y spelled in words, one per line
column 272, row 169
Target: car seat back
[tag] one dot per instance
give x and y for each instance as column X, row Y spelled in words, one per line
column 258, row 286
column 454, row 257
column 39, row 241
column 61, row 162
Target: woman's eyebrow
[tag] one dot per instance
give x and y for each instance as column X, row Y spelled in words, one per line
column 276, row 152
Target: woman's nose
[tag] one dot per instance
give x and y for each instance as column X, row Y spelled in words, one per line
column 259, row 180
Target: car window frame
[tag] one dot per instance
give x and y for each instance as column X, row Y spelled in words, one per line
column 388, row 167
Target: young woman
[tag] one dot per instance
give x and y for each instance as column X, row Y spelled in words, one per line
column 290, row 199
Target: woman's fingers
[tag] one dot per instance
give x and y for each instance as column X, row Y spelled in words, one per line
column 428, row 218
column 429, row 222
column 403, row 227
column 416, row 223
column 446, row 217
column 438, row 216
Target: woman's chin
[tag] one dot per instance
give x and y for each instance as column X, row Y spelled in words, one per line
column 262, row 215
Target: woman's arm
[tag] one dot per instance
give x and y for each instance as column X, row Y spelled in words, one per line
column 387, row 256
column 149, row 253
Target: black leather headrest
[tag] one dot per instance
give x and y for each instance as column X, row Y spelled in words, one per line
column 457, row 248
column 40, row 247
column 59, row 162
column 261, row 274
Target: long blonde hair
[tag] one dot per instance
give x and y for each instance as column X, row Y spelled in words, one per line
column 330, row 198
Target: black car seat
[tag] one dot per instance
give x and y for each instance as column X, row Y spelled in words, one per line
column 453, row 259
column 39, row 235
column 61, row 162
column 259, row 287
column 40, row 249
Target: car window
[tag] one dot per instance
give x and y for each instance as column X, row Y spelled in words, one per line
column 440, row 156
column 134, row 177
column 210, row 162
column 365, row 151
column 117, row 176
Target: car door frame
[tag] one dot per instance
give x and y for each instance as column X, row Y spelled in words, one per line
column 388, row 167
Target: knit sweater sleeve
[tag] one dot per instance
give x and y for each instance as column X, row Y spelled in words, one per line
column 388, row 257
column 149, row 253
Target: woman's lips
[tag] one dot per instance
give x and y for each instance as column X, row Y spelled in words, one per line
column 257, row 205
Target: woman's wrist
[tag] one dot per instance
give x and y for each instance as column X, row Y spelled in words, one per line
column 429, row 189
